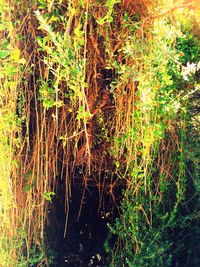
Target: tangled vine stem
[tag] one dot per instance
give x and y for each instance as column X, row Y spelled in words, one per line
column 87, row 103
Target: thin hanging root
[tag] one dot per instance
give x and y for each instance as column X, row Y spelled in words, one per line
column 96, row 74
column 81, row 204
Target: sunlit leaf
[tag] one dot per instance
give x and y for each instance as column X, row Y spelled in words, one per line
column 4, row 53
column 15, row 54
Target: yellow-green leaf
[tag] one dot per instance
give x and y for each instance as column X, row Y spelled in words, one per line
column 15, row 54
column 22, row 61
column 4, row 53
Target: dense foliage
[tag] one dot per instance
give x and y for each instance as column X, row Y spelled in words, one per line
column 109, row 90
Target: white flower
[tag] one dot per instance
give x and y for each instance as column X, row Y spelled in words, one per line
column 190, row 69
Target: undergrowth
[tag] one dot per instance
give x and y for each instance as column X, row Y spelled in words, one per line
column 11, row 237
column 109, row 90
column 154, row 144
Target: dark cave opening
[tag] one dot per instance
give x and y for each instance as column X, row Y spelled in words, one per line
column 87, row 229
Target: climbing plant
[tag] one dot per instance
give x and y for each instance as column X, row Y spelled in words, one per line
column 153, row 143
column 108, row 90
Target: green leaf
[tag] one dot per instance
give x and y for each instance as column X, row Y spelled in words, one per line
column 101, row 21
column 4, row 53
column 49, row 103
column 40, row 41
column 48, row 195
column 27, row 189
column 110, row 19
